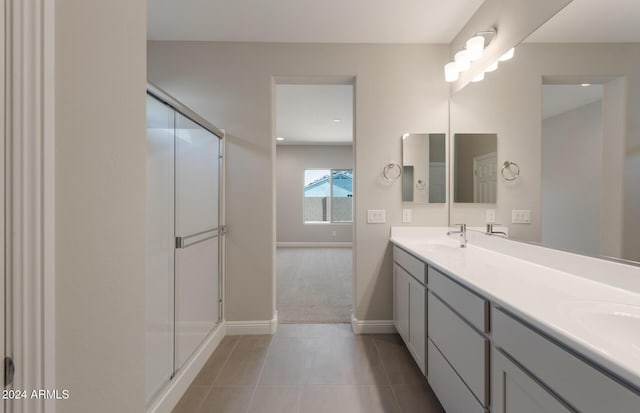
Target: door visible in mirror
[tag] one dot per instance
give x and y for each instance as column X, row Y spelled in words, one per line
column 424, row 168
column 475, row 174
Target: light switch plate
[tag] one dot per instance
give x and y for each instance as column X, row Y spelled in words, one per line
column 376, row 216
column 521, row 216
column 406, row 216
column 491, row 216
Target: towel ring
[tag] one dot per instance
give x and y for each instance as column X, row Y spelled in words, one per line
column 391, row 171
column 514, row 171
column 420, row 184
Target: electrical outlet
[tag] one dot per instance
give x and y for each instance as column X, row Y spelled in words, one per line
column 406, row 216
column 521, row 216
column 491, row 216
column 376, row 216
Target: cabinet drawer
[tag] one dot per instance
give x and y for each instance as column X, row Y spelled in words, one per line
column 581, row 385
column 450, row 390
column 414, row 266
column 464, row 348
column 470, row 306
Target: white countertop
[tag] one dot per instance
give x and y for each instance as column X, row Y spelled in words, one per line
column 568, row 297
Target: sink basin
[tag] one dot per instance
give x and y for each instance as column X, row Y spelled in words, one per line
column 617, row 323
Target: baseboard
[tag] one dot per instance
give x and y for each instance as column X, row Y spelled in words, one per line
column 314, row 244
column 236, row 328
column 170, row 397
column 372, row 326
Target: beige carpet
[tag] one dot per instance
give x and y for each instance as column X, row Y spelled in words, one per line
column 314, row 285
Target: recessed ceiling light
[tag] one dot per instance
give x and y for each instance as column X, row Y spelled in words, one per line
column 279, row 138
column 585, row 84
column 336, row 120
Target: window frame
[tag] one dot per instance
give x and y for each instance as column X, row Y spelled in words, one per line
column 330, row 221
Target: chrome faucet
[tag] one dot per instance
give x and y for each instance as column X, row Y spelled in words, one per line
column 463, row 235
column 490, row 231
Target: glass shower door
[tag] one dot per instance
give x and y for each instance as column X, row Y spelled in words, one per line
column 160, row 246
column 197, row 236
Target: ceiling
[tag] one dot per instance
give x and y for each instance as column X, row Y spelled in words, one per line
column 592, row 21
column 309, row 21
column 306, row 114
column 557, row 99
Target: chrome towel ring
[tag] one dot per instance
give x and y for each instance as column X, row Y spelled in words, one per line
column 391, row 171
column 512, row 171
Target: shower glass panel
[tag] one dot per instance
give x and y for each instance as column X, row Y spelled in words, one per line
column 197, row 204
column 160, row 246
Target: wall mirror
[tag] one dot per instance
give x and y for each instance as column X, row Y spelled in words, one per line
column 565, row 110
column 475, row 167
column 424, row 168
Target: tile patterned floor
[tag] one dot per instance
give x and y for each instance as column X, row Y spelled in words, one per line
column 310, row 368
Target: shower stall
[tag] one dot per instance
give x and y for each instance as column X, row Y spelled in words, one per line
column 184, row 236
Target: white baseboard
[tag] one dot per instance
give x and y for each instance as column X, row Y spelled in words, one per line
column 170, row 397
column 372, row 326
column 314, row 244
column 235, row 328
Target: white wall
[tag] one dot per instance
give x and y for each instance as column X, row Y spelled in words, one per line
column 100, row 205
column 509, row 102
column 398, row 88
column 291, row 161
column 572, row 179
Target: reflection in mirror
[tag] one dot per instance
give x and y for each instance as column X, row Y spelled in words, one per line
column 475, row 168
column 424, row 168
column 579, row 186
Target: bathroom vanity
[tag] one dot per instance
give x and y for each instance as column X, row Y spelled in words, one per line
column 501, row 326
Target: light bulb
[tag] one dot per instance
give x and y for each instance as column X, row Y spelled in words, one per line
column 507, row 55
column 475, row 48
column 450, row 72
column 462, row 61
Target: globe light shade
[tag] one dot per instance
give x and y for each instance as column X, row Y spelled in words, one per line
column 492, row 67
column 507, row 55
column 450, row 72
column 475, row 48
column 462, row 61
column 478, row 77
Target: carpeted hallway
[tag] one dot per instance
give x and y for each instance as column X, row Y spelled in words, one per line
column 314, row 285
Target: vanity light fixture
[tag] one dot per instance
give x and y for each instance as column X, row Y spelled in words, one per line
column 508, row 55
column 451, row 73
column 475, row 47
column 462, row 61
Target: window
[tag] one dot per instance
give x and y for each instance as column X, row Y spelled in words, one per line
column 328, row 195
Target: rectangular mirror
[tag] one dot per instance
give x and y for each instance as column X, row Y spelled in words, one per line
column 475, row 168
column 565, row 109
column 424, row 168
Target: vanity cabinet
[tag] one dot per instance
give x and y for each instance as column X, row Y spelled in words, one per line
column 548, row 369
column 458, row 348
column 514, row 391
column 409, row 303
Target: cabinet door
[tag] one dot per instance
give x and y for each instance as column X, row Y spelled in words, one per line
column 401, row 301
column 417, row 322
column 514, row 391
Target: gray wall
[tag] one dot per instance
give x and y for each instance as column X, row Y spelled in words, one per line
column 291, row 161
column 398, row 88
column 100, row 204
column 509, row 102
column 572, row 179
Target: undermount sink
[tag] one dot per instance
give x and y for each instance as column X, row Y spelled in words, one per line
column 618, row 323
column 441, row 244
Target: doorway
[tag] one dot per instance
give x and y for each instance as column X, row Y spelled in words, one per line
column 314, row 175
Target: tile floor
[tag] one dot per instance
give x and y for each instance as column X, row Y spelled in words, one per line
column 310, row 368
